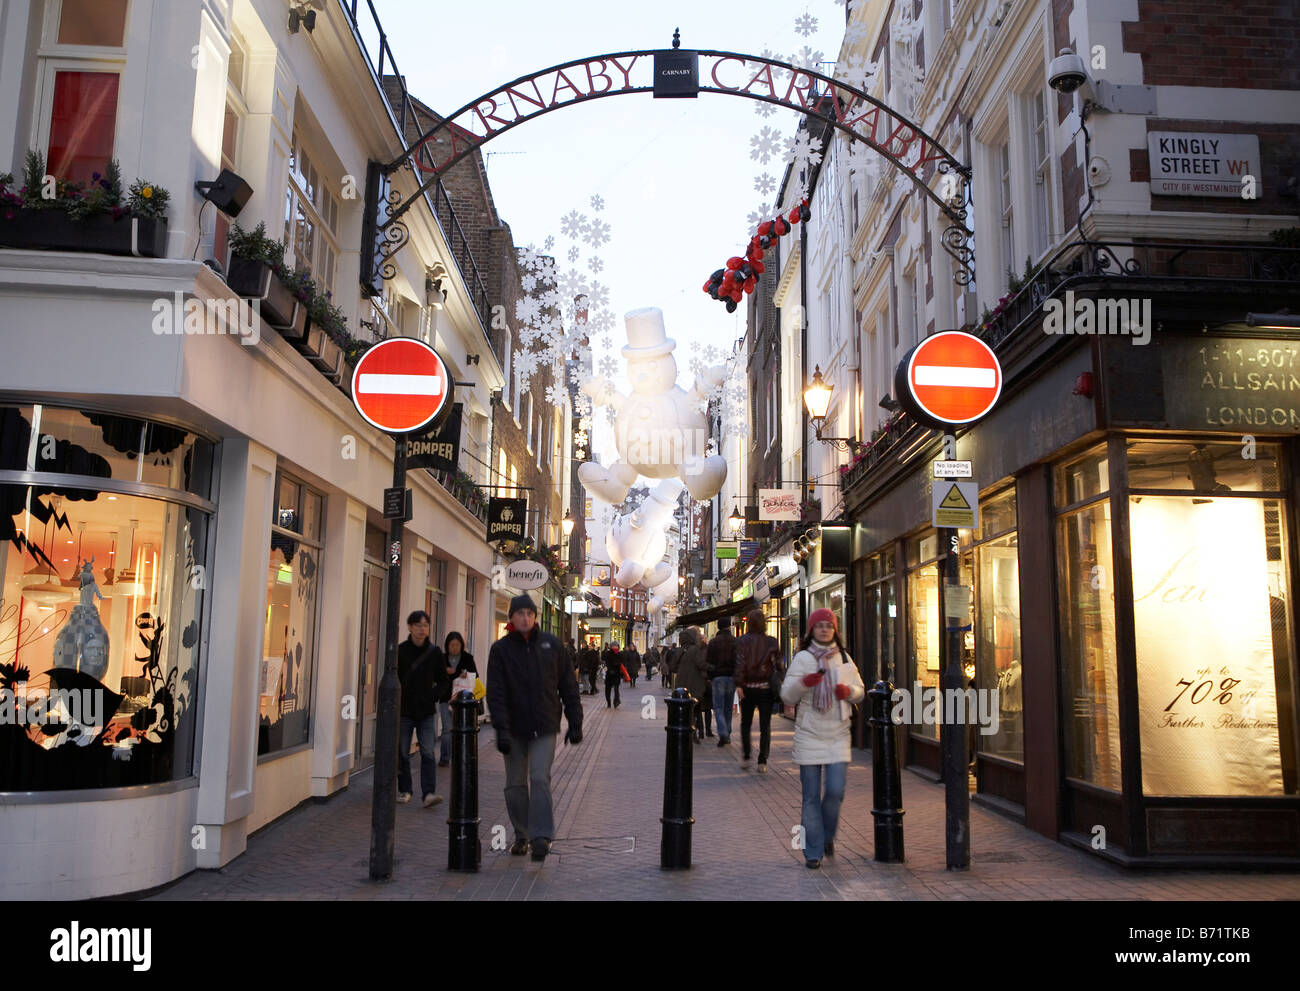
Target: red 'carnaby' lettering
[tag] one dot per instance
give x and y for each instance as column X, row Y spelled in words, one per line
column 555, row 96
column 538, row 102
column 764, row 73
column 592, row 76
column 716, row 81
column 801, row 90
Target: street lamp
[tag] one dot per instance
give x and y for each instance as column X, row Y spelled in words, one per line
column 735, row 520
column 567, row 523
column 817, row 397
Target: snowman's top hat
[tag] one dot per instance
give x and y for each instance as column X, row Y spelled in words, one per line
column 646, row 336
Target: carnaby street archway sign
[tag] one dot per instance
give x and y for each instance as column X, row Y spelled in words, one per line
column 854, row 113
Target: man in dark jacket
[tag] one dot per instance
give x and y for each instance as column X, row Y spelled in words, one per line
column 613, row 672
column 589, row 665
column 672, row 658
column 758, row 656
column 631, row 661
column 528, row 675
column 722, row 668
column 421, row 672
column 693, row 674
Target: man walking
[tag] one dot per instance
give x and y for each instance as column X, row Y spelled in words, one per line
column 589, row 664
column 613, row 672
column 421, row 672
column 632, row 661
column 528, row 676
column 757, row 656
column 722, row 664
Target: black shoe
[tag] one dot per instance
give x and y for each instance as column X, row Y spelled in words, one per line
column 722, row 741
column 444, row 763
column 830, row 848
column 541, row 847
column 708, row 733
column 812, row 865
column 519, row 849
column 607, row 705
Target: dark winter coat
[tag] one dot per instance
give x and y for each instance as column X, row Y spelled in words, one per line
column 722, row 655
column 421, row 671
column 693, row 668
column 631, row 661
column 527, row 679
column 588, row 660
column 612, row 659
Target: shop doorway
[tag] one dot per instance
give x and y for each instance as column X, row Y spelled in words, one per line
column 372, row 642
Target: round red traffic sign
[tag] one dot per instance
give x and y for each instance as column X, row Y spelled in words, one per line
column 951, row 379
column 400, row 385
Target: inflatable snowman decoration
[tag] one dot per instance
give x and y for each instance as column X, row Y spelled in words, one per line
column 660, row 429
column 637, row 541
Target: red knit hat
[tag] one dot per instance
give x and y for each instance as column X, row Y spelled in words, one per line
column 823, row 616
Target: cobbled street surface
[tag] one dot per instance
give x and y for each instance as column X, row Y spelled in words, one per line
column 608, row 800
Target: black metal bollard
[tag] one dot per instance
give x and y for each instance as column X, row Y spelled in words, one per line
column 675, row 844
column 463, row 849
column 886, row 778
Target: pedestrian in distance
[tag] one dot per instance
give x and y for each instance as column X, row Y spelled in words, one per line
column 722, row 667
column 758, row 657
column 693, row 674
column 456, row 662
column 589, row 664
column 571, row 655
column 421, row 673
column 651, row 662
column 529, row 679
column 613, row 673
column 824, row 683
column 669, row 665
column 632, row 661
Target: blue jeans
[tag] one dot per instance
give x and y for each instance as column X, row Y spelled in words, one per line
column 528, row 787
column 821, row 812
column 444, row 738
column 427, row 731
column 723, row 690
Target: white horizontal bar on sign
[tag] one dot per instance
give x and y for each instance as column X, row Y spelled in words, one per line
column 974, row 378
column 401, row 385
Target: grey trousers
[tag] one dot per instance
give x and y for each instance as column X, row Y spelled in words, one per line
column 528, row 787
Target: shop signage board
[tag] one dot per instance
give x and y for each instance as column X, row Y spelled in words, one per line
column 778, row 504
column 744, row 592
column 1194, row 163
column 525, row 575
column 748, row 551
column 761, row 590
column 1247, row 385
column 955, row 504
column 440, row 448
column 726, row 550
column 397, row 505
column 506, row 518
column 401, row 385
column 952, row 469
column 949, row 380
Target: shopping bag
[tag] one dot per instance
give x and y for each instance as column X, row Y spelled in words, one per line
column 480, row 689
column 465, row 683
column 626, row 677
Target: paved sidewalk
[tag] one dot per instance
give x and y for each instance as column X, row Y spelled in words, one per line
column 608, row 799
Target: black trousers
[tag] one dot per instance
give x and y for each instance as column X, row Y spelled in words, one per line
column 611, row 681
column 591, row 677
column 756, row 699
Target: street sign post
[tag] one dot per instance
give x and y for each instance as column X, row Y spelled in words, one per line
column 399, row 385
column 950, row 380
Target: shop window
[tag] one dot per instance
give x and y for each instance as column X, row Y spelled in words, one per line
column 1090, row 694
column 100, row 626
column 997, row 625
column 1211, row 599
column 923, row 581
column 289, row 644
column 1083, row 478
column 471, row 597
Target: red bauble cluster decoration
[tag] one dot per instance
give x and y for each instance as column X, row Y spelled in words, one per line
column 731, row 284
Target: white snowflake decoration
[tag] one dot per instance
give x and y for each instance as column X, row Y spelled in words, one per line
column 607, row 366
column 806, row 58
column 596, row 264
column 549, row 243
column 803, row 150
column 574, row 224
column 555, row 395
column 858, row 72
column 765, row 184
column 598, row 233
column 765, row 144
column 763, row 213
column 764, row 109
column 574, row 252
column 806, row 25
column 598, row 202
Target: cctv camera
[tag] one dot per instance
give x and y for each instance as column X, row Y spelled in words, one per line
column 1067, row 72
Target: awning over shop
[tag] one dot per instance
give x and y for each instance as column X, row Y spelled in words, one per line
column 715, row 613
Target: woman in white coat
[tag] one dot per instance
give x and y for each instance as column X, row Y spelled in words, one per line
column 824, row 682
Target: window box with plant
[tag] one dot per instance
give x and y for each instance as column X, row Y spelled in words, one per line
column 70, row 216
column 256, row 271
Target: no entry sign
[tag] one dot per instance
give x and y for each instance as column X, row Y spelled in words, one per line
column 950, row 379
column 400, row 385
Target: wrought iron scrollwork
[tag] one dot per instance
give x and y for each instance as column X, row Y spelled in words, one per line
column 396, row 235
column 956, row 237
